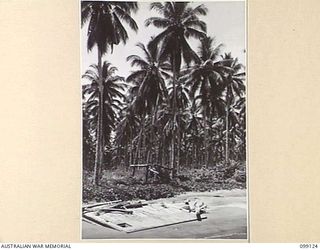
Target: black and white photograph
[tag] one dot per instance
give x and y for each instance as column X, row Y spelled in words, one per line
column 164, row 136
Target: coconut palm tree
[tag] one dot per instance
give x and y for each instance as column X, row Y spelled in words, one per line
column 150, row 85
column 88, row 140
column 179, row 21
column 149, row 76
column 182, row 100
column 239, row 109
column 105, row 30
column 205, row 79
column 194, row 129
column 165, row 117
column 106, row 23
column 235, row 89
column 236, row 130
column 126, row 129
column 182, row 93
column 110, row 99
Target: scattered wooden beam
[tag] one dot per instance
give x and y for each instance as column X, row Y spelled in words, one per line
column 88, row 221
column 139, row 165
column 153, row 171
column 102, row 222
column 101, row 204
column 107, row 210
column 130, row 205
column 136, row 205
column 152, row 216
column 165, row 225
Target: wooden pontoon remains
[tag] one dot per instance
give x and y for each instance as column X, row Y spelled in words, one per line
column 132, row 217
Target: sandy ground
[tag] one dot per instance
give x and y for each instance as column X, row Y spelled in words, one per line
column 226, row 219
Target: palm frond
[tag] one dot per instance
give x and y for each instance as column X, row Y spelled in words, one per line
column 196, row 23
column 136, row 76
column 86, row 10
column 195, row 33
column 157, row 22
column 126, row 17
column 157, row 6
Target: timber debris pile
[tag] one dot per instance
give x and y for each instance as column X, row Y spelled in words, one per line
column 134, row 216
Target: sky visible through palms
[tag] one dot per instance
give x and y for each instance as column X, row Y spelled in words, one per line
column 225, row 21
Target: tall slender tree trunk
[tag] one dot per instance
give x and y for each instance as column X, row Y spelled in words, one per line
column 137, row 153
column 195, row 156
column 160, row 154
column 140, row 141
column 144, row 143
column 227, row 125
column 206, row 132
column 163, row 152
column 99, row 142
column 97, row 157
column 178, row 152
column 173, row 158
column 153, row 147
column 131, row 150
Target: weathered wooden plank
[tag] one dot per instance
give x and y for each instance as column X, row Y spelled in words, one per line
column 126, row 204
column 89, row 221
column 101, row 204
column 153, row 171
column 144, row 218
column 107, row 210
column 158, row 226
column 139, row 165
column 103, row 222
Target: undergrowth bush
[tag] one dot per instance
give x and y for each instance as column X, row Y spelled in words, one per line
column 120, row 185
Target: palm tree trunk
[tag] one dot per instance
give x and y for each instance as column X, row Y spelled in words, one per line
column 140, row 145
column 99, row 146
column 97, row 157
column 130, row 153
column 136, row 158
column 163, row 152
column 144, row 143
column 206, row 138
column 178, row 152
column 173, row 159
column 152, row 142
column 227, row 126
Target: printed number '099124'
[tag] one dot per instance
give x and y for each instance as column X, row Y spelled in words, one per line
column 308, row 245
